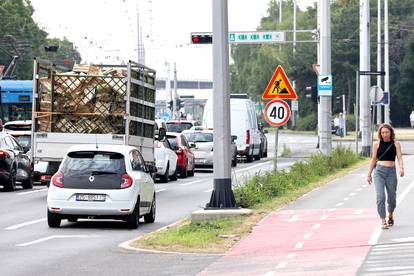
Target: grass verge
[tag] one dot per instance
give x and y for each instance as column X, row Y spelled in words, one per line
column 220, row 235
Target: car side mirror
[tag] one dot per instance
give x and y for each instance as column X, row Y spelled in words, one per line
column 26, row 149
column 161, row 133
column 192, row 145
column 233, row 138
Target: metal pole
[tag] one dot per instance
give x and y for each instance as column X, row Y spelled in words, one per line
column 365, row 80
column 222, row 195
column 344, row 113
column 276, row 147
column 294, row 26
column 386, row 64
column 168, row 88
column 326, row 101
column 379, row 111
column 175, row 93
column 318, row 54
column 280, row 11
column 356, row 111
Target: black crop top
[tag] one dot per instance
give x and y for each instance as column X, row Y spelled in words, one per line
column 390, row 154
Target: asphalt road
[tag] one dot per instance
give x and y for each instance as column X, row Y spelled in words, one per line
column 91, row 247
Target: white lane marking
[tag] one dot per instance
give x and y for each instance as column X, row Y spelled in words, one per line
column 291, row 256
column 17, row 226
column 390, row 268
column 160, row 190
column 254, row 166
column 307, row 236
column 294, row 218
column 281, row 265
column 270, row 273
column 208, row 191
column 408, row 239
column 358, row 212
column 339, row 204
column 364, row 186
column 316, row 226
column 55, row 237
column 32, row 192
column 331, row 210
column 299, row 245
column 324, row 217
column 373, row 240
column 346, row 198
column 352, row 194
column 359, row 189
column 190, row 183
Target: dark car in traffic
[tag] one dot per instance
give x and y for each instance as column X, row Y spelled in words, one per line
column 15, row 164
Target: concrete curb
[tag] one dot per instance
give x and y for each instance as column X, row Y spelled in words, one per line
column 126, row 245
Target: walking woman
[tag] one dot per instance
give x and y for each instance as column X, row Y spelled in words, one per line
column 385, row 176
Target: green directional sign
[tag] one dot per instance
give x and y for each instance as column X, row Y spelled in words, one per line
column 256, row 37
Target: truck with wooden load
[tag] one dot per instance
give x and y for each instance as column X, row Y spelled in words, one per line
column 92, row 104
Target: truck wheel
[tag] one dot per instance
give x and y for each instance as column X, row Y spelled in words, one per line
column 164, row 177
column 133, row 219
column 249, row 158
column 150, row 217
column 11, row 183
column 53, row 220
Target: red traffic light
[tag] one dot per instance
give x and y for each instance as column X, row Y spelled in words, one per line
column 201, row 38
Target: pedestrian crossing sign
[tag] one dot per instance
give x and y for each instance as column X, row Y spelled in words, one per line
column 279, row 86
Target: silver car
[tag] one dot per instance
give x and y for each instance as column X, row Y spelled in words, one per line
column 109, row 181
column 203, row 146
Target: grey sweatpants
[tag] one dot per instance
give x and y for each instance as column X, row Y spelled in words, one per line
column 385, row 178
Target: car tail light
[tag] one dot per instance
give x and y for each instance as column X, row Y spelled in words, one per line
column 126, row 181
column 45, row 177
column 4, row 154
column 248, row 136
column 57, row 179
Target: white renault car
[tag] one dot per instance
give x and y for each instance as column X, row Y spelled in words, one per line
column 105, row 181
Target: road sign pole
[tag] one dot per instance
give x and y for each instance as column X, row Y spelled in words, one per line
column 276, row 147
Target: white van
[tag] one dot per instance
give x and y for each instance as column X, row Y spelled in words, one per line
column 243, row 124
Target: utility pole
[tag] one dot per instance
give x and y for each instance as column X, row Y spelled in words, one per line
column 344, row 112
column 318, row 54
column 168, row 87
column 294, row 27
column 379, row 51
column 325, row 101
column 280, row 11
column 386, row 64
column 222, row 195
column 175, row 93
column 365, row 80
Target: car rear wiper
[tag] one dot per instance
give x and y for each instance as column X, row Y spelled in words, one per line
column 102, row 172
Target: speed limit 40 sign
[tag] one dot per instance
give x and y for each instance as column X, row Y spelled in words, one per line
column 277, row 112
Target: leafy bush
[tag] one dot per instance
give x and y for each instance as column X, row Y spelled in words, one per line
column 262, row 188
column 308, row 122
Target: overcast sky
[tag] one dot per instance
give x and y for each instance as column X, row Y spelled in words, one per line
column 105, row 31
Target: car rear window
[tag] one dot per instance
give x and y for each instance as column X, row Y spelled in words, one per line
column 199, row 137
column 106, row 168
column 24, row 140
column 178, row 127
column 18, row 127
column 173, row 141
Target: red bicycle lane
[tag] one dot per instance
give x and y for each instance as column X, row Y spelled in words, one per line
column 307, row 242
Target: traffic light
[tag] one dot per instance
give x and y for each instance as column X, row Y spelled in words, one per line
column 170, row 105
column 312, row 93
column 179, row 104
column 201, row 38
column 51, row 48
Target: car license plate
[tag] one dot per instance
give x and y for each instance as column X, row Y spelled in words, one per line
column 89, row 197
